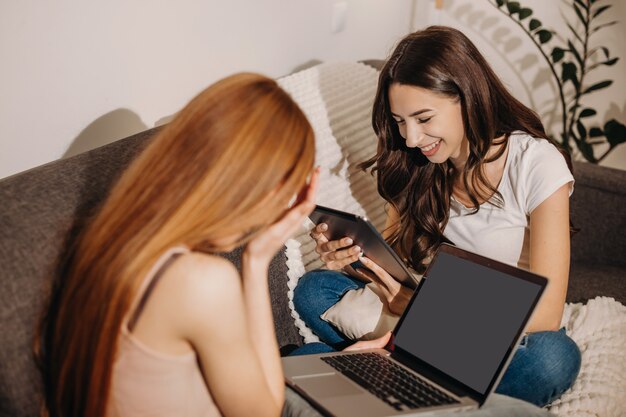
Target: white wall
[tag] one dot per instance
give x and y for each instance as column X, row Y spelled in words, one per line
column 517, row 62
column 76, row 74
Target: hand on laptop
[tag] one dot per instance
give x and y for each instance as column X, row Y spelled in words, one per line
column 396, row 295
column 379, row 343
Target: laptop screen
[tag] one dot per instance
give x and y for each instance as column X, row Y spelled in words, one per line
column 465, row 317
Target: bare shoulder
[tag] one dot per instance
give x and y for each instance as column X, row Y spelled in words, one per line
column 195, row 265
column 200, row 284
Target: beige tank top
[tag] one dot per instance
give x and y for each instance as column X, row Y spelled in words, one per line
column 149, row 383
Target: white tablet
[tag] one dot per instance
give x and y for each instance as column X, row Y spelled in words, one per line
column 363, row 233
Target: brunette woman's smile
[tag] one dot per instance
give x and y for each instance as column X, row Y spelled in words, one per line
column 429, row 121
column 431, row 149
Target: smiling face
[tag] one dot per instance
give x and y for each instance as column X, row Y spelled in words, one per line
column 431, row 122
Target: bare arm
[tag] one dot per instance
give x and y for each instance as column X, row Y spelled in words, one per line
column 397, row 296
column 255, row 263
column 259, row 314
column 214, row 318
column 550, row 257
column 231, row 326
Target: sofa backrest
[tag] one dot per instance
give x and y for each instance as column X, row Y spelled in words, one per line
column 598, row 208
column 42, row 210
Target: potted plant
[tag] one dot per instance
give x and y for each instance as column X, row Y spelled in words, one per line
column 570, row 63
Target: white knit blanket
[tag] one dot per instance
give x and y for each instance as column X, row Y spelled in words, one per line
column 337, row 99
column 599, row 329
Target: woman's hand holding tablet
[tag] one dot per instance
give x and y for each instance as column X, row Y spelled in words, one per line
column 336, row 254
column 342, row 238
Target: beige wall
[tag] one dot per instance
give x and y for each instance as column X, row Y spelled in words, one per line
column 517, row 62
column 78, row 73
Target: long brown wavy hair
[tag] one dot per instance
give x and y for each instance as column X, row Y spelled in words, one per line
column 227, row 165
column 444, row 61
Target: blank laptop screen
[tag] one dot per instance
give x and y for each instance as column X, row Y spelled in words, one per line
column 464, row 319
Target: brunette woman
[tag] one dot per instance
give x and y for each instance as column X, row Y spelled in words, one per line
column 461, row 160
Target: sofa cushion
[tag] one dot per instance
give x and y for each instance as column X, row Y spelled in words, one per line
column 589, row 280
column 42, row 210
column 597, row 209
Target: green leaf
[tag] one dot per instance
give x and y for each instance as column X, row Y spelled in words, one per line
column 569, row 73
column 579, row 13
column 600, row 10
column 534, row 24
column 608, row 63
column 557, row 54
column 582, row 132
column 606, row 51
column 597, row 28
column 598, row 48
column 544, row 35
column 615, row 132
column 587, row 150
column 595, row 132
column 513, row 7
column 500, row 3
column 573, row 50
column 575, row 33
column 583, row 5
column 524, row 13
column 597, row 86
column 587, row 113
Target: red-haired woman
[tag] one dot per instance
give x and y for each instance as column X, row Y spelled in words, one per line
column 147, row 319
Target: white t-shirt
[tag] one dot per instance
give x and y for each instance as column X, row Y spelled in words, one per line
column 533, row 171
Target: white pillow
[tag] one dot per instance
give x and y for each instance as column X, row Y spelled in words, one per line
column 361, row 314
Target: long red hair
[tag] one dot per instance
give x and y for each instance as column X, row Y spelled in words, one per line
column 207, row 175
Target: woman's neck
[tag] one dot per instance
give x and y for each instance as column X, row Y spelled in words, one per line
column 492, row 172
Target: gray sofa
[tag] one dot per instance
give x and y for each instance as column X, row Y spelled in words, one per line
column 43, row 208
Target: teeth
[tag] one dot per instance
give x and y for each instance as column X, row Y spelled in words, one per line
column 431, row 146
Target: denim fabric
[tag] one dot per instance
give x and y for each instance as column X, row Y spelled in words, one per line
column 544, row 366
column 316, row 292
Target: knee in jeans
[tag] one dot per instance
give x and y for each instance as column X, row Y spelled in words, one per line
column 569, row 349
column 320, row 289
column 308, row 286
column 560, row 362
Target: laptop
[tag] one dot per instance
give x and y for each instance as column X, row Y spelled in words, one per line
column 448, row 351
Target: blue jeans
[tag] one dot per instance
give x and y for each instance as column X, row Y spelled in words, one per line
column 544, row 366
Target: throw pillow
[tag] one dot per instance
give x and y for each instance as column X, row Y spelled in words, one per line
column 361, row 314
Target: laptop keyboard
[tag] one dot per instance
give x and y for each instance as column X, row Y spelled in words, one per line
column 388, row 381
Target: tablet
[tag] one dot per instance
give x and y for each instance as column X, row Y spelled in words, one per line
column 364, row 234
